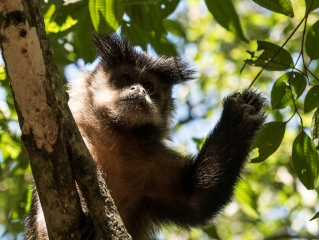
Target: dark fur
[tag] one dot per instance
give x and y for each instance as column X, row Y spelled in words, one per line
column 124, row 124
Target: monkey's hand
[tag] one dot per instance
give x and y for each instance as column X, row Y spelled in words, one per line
column 244, row 107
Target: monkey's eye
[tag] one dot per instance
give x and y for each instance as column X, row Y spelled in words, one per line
column 126, row 79
column 148, row 86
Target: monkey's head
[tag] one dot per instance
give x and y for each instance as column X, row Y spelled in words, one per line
column 130, row 88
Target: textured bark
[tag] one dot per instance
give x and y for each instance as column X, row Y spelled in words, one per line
column 56, row 150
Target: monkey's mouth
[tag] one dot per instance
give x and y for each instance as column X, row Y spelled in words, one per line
column 134, row 102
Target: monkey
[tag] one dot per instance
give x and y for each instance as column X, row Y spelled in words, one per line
column 124, row 109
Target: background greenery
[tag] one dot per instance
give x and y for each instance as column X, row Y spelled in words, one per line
column 228, row 43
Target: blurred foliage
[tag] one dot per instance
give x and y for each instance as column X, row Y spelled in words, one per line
column 271, row 45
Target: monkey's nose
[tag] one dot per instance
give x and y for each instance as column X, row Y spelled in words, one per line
column 138, row 89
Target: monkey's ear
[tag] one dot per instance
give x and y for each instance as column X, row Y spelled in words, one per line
column 172, row 70
column 185, row 73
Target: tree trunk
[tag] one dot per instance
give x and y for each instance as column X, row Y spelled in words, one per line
column 56, row 150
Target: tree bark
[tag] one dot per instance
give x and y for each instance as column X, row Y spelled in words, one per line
column 56, row 150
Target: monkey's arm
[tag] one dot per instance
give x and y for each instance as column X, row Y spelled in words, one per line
column 201, row 189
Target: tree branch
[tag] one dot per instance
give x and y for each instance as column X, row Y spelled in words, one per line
column 48, row 129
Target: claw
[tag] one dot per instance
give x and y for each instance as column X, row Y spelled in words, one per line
column 237, row 94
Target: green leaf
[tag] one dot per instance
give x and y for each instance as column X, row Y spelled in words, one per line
column 143, row 30
column 106, row 14
column 9, row 148
column 281, row 93
column 164, row 47
column 315, row 5
column 139, row 2
column 312, row 41
column 298, row 84
column 69, row 22
column 174, row 27
column 166, row 7
column 3, row 75
column 212, row 232
column 139, row 33
column 314, row 217
column 312, row 99
column 199, row 141
column 305, row 160
column 169, row 7
column 48, row 14
column 315, row 126
column 282, row 60
column 268, row 140
column 279, row 6
column 225, row 14
column 247, row 199
column 81, row 36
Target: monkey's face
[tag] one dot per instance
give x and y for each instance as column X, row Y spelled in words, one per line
column 131, row 96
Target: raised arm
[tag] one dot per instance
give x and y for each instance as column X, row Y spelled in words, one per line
column 199, row 188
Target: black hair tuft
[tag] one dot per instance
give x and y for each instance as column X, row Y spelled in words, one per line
column 116, row 51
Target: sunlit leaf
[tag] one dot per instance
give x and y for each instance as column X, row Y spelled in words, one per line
column 281, row 93
column 305, row 160
column 68, row 23
column 50, row 26
column 312, row 99
column 10, row 148
column 282, row 60
column 106, row 14
column 225, row 14
column 48, row 14
column 29, row 193
column 279, row 6
column 268, row 140
column 247, row 199
column 312, row 40
column 3, row 74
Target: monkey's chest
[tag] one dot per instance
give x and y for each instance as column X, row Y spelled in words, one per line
column 125, row 177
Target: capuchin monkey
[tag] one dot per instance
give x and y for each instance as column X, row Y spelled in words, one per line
column 123, row 110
